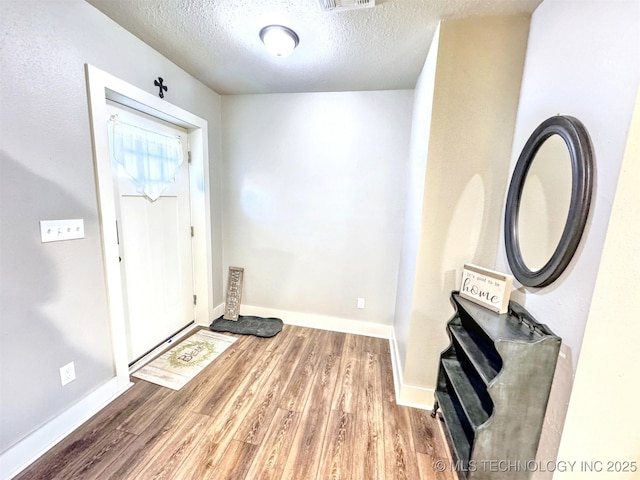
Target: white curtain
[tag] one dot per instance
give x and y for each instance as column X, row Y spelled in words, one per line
column 151, row 159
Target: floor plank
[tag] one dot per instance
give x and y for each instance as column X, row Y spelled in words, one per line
column 233, row 463
column 303, row 460
column 305, row 405
column 295, row 396
column 346, row 391
column 254, row 426
column 369, row 437
column 338, row 455
column 270, row 460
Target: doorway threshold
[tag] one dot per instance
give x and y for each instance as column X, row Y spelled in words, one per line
column 162, row 347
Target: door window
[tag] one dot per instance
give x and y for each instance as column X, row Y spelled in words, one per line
column 151, row 159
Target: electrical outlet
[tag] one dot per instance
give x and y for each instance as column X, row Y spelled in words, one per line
column 67, row 373
column 360, row 302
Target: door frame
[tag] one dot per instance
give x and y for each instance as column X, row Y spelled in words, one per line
column 102, row 86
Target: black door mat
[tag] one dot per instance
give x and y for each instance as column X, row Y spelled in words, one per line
column 248, row 325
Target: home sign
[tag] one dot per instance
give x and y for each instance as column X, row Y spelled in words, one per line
column 486, row 287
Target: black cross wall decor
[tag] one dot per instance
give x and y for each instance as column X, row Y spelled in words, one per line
column 163, row 88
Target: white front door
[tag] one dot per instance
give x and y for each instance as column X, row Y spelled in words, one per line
column 155, row 248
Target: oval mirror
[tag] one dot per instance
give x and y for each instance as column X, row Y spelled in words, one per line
column 548, row 201
column 544, row 204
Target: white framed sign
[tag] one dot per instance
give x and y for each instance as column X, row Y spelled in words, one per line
column 486, row 287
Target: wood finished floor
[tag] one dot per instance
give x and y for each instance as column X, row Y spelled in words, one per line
column 306, row 404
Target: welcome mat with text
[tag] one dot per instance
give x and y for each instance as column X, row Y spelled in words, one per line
column 175, row 367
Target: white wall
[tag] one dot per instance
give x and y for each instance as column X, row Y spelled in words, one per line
column 420, row 130
column 314, row 190
column 475, row 94
column 53, row 299
column 606, row 374
column 582, row 60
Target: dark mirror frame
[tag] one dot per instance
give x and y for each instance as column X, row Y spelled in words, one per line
column 577, row 139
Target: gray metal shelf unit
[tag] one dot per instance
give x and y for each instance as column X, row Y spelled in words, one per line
column 493, row 387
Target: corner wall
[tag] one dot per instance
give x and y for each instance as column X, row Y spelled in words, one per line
column 314, row 201
column 477, row 83
column 420, row 134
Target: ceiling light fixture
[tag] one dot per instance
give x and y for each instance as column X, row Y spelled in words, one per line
column 339, row 5
column 279, row 40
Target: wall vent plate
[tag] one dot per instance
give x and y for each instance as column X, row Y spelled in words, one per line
column 338, row 5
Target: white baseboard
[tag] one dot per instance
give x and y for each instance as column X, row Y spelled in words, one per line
column 396, row 364
column 322, row 322
column 217, row 312
column 29, row 449
column 416, row 397
column 408, row 395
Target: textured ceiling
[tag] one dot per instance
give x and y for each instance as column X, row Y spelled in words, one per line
column 216, row 41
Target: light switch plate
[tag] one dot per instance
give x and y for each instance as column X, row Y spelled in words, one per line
column 56, row 230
